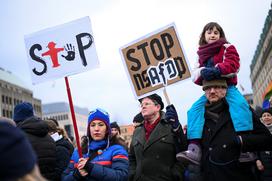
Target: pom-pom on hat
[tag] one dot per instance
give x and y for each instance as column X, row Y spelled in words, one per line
column 99, row 114
column 22, row 111
column 16, row 154
column 154, row 97
column 211, row 83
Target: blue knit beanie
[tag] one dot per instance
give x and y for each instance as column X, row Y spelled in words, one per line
column 22, row 111
column 16, row 154
column 99, row 114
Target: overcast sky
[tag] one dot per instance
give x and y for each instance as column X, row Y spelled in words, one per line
column 116, row 23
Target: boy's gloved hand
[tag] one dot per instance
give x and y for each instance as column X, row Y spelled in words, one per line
column 210, row 73
column 171, row 116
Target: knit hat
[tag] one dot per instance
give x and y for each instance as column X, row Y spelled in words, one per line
column 154, row 97
column 217, row 82
column 269, row 110
column 115, row 125
column 99, row 114
column 16, row 154
column 22, row 111
column 138, row 118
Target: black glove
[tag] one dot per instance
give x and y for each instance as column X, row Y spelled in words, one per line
column 210, row 73
column 171, row 116
column 89, row 166
column 77, row 175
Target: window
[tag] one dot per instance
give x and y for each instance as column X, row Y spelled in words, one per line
column 7, row 114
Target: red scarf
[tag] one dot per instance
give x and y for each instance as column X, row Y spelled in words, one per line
column 150, row 127
column 209, row 50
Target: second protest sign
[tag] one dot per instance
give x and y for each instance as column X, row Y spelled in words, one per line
column 155, row 60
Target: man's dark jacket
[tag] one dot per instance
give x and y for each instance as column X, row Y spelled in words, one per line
column 44, row 146
column 155, row 159
column 221, row 146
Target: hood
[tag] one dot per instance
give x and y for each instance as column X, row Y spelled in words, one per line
column 34, row 126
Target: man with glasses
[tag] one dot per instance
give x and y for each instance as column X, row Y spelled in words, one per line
column 155, row 143
column 221, row 145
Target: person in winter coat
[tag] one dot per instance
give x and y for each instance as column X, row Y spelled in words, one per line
column 84, row 142
column 155, row 142
column 116, row 132
column 138, row 120
column 217, row 59
column 105, row 161
column 64, row 148
column 264, row 162
column 36, row 131
column 220, row 143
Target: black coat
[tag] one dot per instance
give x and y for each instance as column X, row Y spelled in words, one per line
column 221, row 149
column 266, row 159
column 155, row 159
column 44, row 146
column 63, row 154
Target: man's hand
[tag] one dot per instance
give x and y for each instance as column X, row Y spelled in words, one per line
column 171, row 116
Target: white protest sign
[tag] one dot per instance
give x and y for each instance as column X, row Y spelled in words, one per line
column 62, row 50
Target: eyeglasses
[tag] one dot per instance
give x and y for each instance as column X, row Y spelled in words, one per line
column 148, row 104
column 208, row 89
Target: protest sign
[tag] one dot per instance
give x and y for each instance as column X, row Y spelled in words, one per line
column 60, row 51
column 155, row 61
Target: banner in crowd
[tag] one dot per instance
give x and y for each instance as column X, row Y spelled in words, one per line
column 267, row 96
column 155, row 61
column 62, row 50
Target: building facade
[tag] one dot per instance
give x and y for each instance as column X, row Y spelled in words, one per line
column 249, row 98
column 127, row 132
column 261, row 65
column 14, row 91
column 61, row 112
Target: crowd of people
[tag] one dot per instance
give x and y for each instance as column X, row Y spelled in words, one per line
column 225, row 139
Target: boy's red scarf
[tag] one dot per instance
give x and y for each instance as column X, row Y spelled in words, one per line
column 209, row 50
